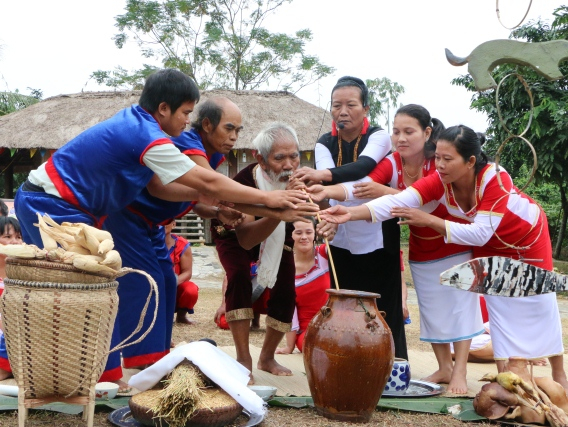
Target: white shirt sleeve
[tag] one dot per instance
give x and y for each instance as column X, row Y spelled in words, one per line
column 349, row 187
column 477, row 233
column 378, row 145
column 381, row 208
column 167, row 162
column 324, row 160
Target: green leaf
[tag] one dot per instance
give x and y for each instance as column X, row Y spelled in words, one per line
column 219, row 44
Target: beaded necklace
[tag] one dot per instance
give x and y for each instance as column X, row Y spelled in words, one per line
column 405, row 171
column 340, row 155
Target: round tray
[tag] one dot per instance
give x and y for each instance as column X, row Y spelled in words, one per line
column 48, row 271
column 122, row 417
column 417, row 389
column 204, row 417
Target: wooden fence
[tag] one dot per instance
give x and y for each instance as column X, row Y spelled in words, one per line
column 191, row 227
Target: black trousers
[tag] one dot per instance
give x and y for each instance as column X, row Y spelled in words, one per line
column 377, row 272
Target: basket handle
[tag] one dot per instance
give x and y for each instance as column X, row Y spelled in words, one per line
column 124, row 343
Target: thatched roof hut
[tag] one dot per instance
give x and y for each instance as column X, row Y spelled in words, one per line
column 51, row 123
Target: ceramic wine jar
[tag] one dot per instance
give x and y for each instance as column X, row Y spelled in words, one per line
column 348, row 356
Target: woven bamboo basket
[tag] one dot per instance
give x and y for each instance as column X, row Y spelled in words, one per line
column 57, row 333
column 54, row 272
column 217, row 409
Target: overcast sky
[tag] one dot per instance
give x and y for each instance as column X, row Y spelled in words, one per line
column 55, row 46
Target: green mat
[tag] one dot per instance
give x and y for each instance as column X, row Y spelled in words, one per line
column 11, row 404
column 431, row 405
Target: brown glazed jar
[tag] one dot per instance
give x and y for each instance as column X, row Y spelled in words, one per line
column 348, row 356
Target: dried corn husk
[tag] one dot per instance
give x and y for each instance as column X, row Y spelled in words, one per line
column 113, row 260
column 76, row 244
column 23, row 251
column 48, row 241
column 105, row 246
column 88, row 240
column 100, row 235
column 87, row 263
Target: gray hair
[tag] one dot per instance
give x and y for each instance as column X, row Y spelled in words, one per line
column 267, row 136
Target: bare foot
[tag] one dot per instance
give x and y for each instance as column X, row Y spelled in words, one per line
column 283, row 350
column 5, row 374
column 183, row 319
column 275, row 368
column 458, row 383
column 123, row 387
column 251, row 380
column 440, row 376
column 539, row 362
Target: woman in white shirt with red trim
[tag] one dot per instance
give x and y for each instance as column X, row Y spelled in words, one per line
column 500, row 222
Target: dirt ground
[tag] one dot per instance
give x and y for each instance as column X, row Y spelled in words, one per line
column 208, row 303
column 205, row 327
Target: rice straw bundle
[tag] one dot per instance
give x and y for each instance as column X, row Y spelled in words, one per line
column 181, row 396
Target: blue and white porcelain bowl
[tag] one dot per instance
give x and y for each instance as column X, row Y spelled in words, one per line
column 399, row 378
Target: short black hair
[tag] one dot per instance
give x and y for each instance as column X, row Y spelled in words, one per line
column 467, row 144
column 211, row 110
column 4, row 211
column 7, row 221
column 170, row 86
column 347, row 81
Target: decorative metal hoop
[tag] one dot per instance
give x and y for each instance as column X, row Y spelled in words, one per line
column 529, row 93
column 500, row 150
column 498, row 157
column 517, row 248
column 516, row 26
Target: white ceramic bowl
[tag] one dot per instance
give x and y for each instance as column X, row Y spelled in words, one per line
column 399, row 378
column 106, row 390
column 264, row 391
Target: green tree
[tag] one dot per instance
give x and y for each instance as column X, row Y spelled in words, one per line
column 547, row 131
column 14, row 101
column 383, row 94
column 221, row 44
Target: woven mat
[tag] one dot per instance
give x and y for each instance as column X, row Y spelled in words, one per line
column 422, row 364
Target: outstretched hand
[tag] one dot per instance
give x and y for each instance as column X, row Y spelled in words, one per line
column 412, row 216
column 311, row 176
column 326, row 229
column 369, row 190
column 295, row 184
column 317, row 192
column 337, row 214
column 286, row 199
column 302, row 211
column 230, row 217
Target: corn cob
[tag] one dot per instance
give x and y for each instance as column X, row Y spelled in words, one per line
column 105, row 246
column 113, row 260
column 87, row 264
column 22, row 251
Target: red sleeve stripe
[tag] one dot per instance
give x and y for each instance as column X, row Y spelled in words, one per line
column 160, row 141
column 63, row 189
column 188, row 210
column 194, row 152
